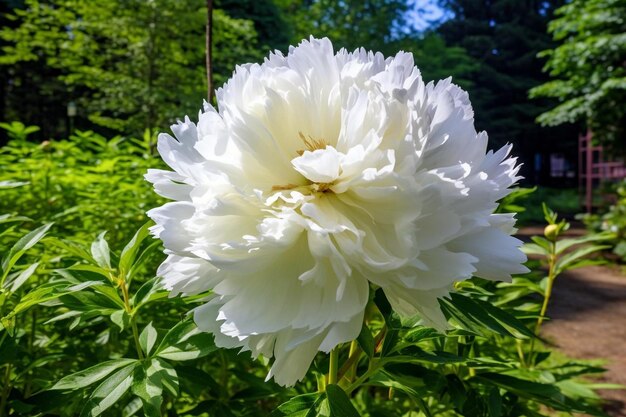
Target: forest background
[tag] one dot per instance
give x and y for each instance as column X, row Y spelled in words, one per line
column 124, row 66
column 85, row 87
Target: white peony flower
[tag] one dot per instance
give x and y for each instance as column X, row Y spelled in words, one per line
column 321, row 173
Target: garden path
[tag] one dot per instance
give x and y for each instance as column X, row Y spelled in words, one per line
column 588, row 321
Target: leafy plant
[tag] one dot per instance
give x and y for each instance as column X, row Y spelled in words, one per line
column 613, row 221
column 87, row 328
column 18, row 131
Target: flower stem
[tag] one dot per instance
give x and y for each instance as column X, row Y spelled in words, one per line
column 133, row 323
column 349, row 367
column 374, row 365
column 546, row 298
column 379, row 339
column 333, row 366
column 136, row 337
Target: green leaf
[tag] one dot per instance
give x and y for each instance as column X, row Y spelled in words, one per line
column 476, row 315
column 167, row 375
column 149, row 382
column 413, row 354
column 130, row 250
column 522, row 387
column 569, row 260
column 43, row 293
column 305, row 405
column 391, row 318
column 565, row 244
column 411, row 386
column 494, row 403
column 149, row 392
column 9, row 218
column 91, row 268
column 534, row 249
column 110, row 293
column 366, row 341
column 184, row 342
column 132, row 407
column 86, row 377
column 20, row 247
column 542, row 243
column 147, row 338
column 194, row 347
column 180, row 332
column 89, row 301
column 100, row 251
column 8, row 323
column 142, row 258
column 121, row 318
column 420, row 334
column 340, row 404
column 109, row 391
column 149, row 291
column 71, row 248
column 20, row 279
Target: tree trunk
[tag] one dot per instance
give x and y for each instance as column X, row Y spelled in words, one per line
column 209, row 49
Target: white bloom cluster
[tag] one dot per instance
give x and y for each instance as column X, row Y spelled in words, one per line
column 321, row 173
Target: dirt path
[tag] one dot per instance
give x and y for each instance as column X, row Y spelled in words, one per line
column 588, row 321
column 588, row 312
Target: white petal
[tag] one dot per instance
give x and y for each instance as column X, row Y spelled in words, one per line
column 321, row 165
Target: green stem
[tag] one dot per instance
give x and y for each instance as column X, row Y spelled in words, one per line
column 133, row 323
column 136, row 337
column 546, row 297
column 333, row 366
column 349, row 367
column 374, row 365
column 380, row 337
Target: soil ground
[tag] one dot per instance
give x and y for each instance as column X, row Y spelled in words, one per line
column 588, row 321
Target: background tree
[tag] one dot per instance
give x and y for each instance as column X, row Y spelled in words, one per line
column 272, row 28
column 351, row 24
column 504, row 38
column 126, row 63
column 437, row 61
column 589, row 67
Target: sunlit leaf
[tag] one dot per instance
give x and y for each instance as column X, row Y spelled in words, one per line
column 109, row 391
column 100, row 251
column 86, row 377
column 147, row 338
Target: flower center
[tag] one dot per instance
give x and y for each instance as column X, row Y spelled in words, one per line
column 319, row 163
column 311, row 144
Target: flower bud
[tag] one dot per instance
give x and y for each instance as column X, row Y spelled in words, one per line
column 551, row 232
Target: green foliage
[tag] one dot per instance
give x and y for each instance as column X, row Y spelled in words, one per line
column 18, row 131
column 84, row 183
column 588, row 68
column 349, row 24
column 88, row 330
column 438, row 61
column 527, row 202
column 378, row 25
column 612, row 221
column 127, row 64
column 86, row 327
column 269, row 24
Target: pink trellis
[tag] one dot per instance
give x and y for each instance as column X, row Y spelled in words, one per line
column 593, row 169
